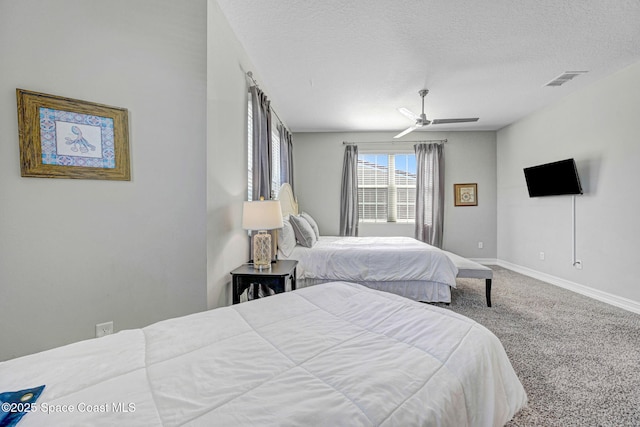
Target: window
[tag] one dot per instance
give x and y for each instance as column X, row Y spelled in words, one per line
column 275, row 156
column 387, row 187
column 275, row 164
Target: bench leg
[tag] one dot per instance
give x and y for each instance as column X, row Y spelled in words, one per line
column 488, row 291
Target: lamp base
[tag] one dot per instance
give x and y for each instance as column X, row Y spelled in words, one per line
column 262, row 250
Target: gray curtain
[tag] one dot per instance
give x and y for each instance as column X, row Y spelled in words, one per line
column 286, row 157
column 430, row 193
column 261, row 144
column 349, row 192
column 261, row 179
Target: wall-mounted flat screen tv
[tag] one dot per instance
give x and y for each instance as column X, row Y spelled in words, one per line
column 553, row 179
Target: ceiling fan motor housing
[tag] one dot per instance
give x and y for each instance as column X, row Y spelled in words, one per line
column 422, row 121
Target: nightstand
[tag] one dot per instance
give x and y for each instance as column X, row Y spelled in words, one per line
column 275, row 277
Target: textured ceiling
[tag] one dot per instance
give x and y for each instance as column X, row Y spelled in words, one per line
column 347, row 65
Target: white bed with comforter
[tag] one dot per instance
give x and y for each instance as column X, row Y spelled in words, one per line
column 400, row 265
column 327, row 355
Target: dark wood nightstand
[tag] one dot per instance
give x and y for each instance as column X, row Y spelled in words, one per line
column 275, row 277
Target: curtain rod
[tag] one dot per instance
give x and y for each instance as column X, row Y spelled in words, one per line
column 442, row 141
column 250, row 75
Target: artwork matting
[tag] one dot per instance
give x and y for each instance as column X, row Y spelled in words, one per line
column 69, row 138
column 465, row 194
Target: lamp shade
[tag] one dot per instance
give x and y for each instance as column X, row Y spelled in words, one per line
column 262, row 215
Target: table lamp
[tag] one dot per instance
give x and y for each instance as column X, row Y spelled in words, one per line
column 261, row 216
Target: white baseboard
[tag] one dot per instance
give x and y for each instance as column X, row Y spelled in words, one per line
column 485, row 261
column 624, row 303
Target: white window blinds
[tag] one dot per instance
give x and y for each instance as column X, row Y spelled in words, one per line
column 386, row 187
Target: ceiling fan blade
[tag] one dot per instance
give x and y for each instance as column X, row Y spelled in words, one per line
column 445, row 121
column 406, row 131
column 408, row 113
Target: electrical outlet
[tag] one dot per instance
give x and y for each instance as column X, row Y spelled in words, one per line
column 480, row 245
column 541, row 256
column 578, row 264
column 103, row 329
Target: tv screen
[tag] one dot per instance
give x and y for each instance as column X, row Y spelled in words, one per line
column 553, row 179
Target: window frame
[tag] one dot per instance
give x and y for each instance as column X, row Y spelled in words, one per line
column 409, row 202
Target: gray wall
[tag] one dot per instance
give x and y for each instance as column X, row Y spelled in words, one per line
column 469, row 157
column 599, row 127
column 74, row 253
column 227, row 242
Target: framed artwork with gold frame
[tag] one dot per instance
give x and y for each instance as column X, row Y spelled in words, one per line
column 465, row 194
column 69, row 138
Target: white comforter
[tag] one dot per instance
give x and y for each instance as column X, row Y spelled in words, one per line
column 374, row 259
column 336, row 355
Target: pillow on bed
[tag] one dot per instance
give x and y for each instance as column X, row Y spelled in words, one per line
column 303, row 231
column 286, row 237
column 312, row 222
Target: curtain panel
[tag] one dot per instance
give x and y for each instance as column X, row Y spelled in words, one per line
column 286, row 157
column 349, row 192
column 430, row 193
column 261, row 150
column 261, row 186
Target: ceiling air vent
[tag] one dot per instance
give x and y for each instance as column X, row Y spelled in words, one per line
column 564, row 77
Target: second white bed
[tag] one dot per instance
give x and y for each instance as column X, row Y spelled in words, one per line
column 400, row 265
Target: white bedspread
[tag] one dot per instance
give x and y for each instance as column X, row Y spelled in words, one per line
column 379, row 259
column 335, row 355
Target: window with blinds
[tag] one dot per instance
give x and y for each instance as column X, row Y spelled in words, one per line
column 275, row 165
column 387, row 187
column 275, row 157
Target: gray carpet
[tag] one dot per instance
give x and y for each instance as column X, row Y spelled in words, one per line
column 578, row 358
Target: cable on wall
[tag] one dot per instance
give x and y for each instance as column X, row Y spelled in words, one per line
column 574, row 258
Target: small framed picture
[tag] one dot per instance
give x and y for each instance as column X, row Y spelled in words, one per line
column 68, row 138
column 465, row 194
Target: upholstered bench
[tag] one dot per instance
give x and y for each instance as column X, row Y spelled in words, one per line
column 472, row 270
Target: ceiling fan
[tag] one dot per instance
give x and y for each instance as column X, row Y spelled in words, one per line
column 421, row 120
